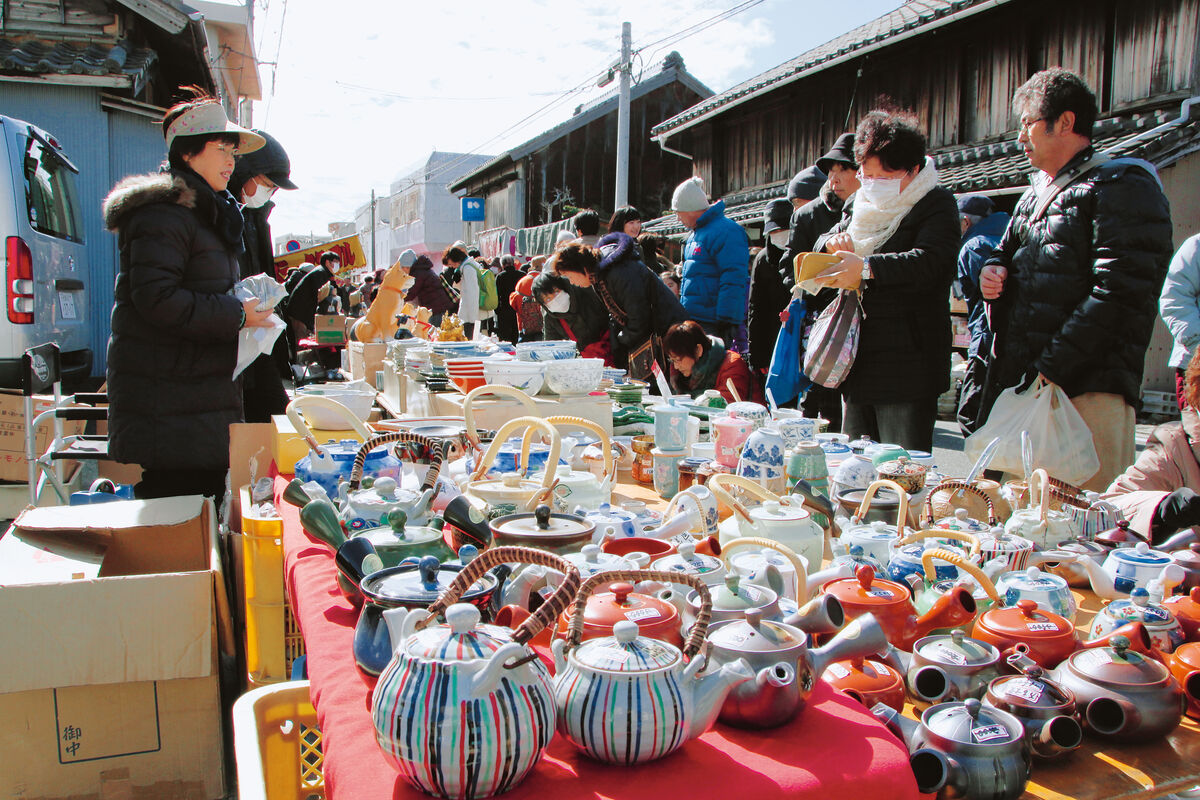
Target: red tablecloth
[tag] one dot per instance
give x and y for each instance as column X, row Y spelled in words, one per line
column 836, row 749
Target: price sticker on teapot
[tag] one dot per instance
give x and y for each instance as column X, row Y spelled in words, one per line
column 838, row 670
column 1041, row 627
column 1025, row 689
column 1094, row 658
column 639, row 614
column 682, row 538
column 986, row 733
column 880, row 593
column 950, row 655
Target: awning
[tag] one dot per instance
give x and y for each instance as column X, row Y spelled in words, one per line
column 540, row 241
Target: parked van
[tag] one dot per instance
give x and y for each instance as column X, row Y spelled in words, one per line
column 45, row 263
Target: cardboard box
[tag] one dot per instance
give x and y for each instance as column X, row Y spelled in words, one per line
column 329, row 329
column 12, row 433
column 366, row 359
column 290, row 446
column 114, row 691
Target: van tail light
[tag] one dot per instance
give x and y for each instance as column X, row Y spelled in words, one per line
column 18, row 281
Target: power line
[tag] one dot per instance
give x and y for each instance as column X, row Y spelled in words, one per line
column 679, row 36
column 275, row 68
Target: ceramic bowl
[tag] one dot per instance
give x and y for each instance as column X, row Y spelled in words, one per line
column 524, row 375
column 554, row 350
column 467, row 384
column 358, row 402
column 575, row 375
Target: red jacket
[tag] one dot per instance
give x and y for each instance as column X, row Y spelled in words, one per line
column 735, row 368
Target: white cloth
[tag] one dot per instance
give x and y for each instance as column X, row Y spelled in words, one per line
column 871, row 225
column 468, row 287
column 1179, row 303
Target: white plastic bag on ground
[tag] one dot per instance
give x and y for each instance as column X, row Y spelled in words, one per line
column 253, row 342
column 1062, row 442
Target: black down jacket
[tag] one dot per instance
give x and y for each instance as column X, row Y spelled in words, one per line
column 650, row 306
column 1083, row 282
column 587, row 319
column 767, row 298
column 174, row 327
column 904, row 346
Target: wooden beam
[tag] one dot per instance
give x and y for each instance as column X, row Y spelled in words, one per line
column 54, row 79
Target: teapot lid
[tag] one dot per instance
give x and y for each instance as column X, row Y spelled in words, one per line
column 394, row 532
column 542, row 522
column 1117, row 664
column 686, row 560
column 421, row 583
column 626, row 651
column 1141, row 555
column 875, row 530
column 735, row 596
column 1031, row 579
column 1138, row 608
column 1029, row 690
column 971, row 722
column 774, row 511
column 461, row 638
column 997, row 540
column 605, row 609
column 959, row 521
column 753, row 634
column 900, row 466
column 1026, row 622
column 591, row 559
column 957, row 650
column 864, row 589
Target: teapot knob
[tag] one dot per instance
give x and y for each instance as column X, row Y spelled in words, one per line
column 396, row 519
column 1027, row 607
column 542, row 515
column 625, row 631
column 754, row 617
column 1120, row 644
column 428, row 568
column 1140, row 547
column 368, row 482
column 591, row 553
column 467, row 553
column 621, row 592
column 1033, row 573
column 957, row 635
column 973, row 707
column 961, row 513
column 866, row 576
column 856, row 552
column 687, row 551
column 732, row 582
column 385, row 486
column 462, row 617
column 1140, row 597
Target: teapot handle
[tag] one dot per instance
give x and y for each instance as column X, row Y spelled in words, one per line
column 436, row 446
column 500, row 390
column 869, row 495
column 951, row 557
column 610, row 467
column 969, row 539
column 954, row 486
column 695, row 639
column 508, row 554
column 778, row 547
column 297, row 419
column 1042, row 492
column 718, row 482
column 489, row 455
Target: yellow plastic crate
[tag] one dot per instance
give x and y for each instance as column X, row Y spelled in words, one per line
column 277, row 744
column 273, row 640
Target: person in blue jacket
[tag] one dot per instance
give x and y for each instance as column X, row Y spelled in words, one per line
column 716, row 265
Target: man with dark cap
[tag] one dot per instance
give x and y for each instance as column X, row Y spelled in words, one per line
column 982, row 228
column 256, row 177
column 805, row 186
column 768, row 296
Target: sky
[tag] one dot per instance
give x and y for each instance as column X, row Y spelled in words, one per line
column 361, row 91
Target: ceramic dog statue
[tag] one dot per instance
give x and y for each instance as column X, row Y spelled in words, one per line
column 379, row 324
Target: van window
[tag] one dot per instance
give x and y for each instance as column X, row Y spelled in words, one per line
column 50, row 193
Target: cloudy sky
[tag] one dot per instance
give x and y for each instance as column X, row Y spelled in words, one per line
column 363, row 90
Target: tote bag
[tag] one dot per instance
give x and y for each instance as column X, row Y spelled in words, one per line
column 833, row 341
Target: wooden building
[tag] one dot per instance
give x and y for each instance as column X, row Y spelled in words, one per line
column 573, row 165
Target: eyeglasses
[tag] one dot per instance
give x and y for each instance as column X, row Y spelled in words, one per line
column 676, row 359
column 1027, row 124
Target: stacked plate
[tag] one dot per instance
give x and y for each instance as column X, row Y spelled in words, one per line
column 465, row 373
column 628, row 393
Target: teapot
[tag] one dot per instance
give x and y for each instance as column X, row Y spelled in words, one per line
column 365, row 508
column 396, row 540
column 964, row 750
column 580, row 487
column 1047, row 711
column 1184, row 664
column 926, row 591
column 1123, row 695
column 528, row 584
column 867, row 680
column 890, row 604
column 959, row 519
column 1047, row 638
column 1048, row 590
column 1016, row 551
column 619, row 601
column 1041, row 525
column 1165, row 631
column 906, row 553
column 787, row 519
column 653, row 694
column 544, row 530
column 440, row 675
column 702, row 500
column 330, row 463
column 1186, row 609
column 1128, row 568
column 944, row 504
column 512, row 492
column 611, row 522
column 949, row 666
column 820, row 615
column 876, row 536
column 685, row 559
column 779, row 568
column 785, row 663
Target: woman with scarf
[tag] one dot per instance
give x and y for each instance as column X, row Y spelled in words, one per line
column 700, row 362
column 898, row 247
column 172, row 394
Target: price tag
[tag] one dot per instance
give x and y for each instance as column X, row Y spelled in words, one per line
column 639, row 614
column 1041, row 627
column 950, row 655
column 1024, row 689
column 986, row 733
column 880, row 593
column 838, row 670
column 682, row 538
column 1094, row 658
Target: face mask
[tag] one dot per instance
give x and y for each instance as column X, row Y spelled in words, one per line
column 879, row 190
column 559, row 304
column 779, row 238
column 260, row 197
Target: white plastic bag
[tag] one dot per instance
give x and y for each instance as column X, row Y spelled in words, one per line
column 253, row 342
column 1062, row 442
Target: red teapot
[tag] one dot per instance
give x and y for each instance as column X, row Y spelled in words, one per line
column 891, row 603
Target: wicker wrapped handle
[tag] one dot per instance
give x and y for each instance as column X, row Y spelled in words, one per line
column 951, row 557
column 489, row 455
column 610, row 467
column 498, row 390
column 952, row 486
column 779, row 547
column 969, row 539
column 297, row 419
column 489, row 559
column 718, row 482
column 435, row 446
column 869, row 495
column 695, row 639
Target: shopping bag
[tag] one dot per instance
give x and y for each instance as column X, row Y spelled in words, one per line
column 1062, row 442
column 833, row 341
column 784, row 378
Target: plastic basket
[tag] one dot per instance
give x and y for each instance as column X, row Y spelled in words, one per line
column 273, row 639
column 277, row 744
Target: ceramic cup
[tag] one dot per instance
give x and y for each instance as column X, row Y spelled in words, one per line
column 666, row 472
column 706, row 450
column 670, row 427
column 794, row 426
column 729, row 434
column 755, row 412
column 762, row 459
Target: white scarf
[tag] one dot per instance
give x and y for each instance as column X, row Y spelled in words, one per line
column 871, row 225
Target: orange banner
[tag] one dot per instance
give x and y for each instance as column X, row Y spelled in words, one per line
column 348, row 249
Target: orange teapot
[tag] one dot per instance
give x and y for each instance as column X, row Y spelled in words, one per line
column 891, row 603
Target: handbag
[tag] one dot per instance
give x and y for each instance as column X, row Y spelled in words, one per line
column 833, row 341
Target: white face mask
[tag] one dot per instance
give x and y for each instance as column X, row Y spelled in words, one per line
column 879, row 190
column 559, row 304
column 779, row 238
column 260, row 197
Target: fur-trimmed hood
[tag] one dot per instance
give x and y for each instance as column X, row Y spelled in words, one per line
column 616, row 247
column 137, row 191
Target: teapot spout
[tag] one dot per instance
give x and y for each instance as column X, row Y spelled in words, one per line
column 861, row 638
column 1111, row 716
column 776, row 676
column 904, row 728
column 1136, row 632
column 822, row 614
column 897, row 659
column 1102, row 582
column 489, row 675
column 401, row 623
column 951, row 610
column 816, row 580
column 710, row 690
column 1059, row 735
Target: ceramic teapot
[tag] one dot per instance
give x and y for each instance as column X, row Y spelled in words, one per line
column 1123, row 695
column 654, row 696
column 1129, row 568
column 1044, row 636
column 959, row 519
column 1046, row 710
column 611, row 522
column 867, row 680
column 1040, row 524
column 785, row 664
column 945, row 503
column 619, row 601
column 876, row 536
column 365, row 508
column 820, row 615
column 581, row 487
column 906, row 553
column 528, row 584
column 1186, row 610
column 1048, row 590
column 512, row 492
column 949, row 666
column 927, row 590
column 787, row 519
column 440, row 675
column 890, row 603
column 544, row 530
column 1184, row 664
column 964, row 750
column 1165, row 631
column 766, row 562
column 396, row 540
column 701, row 500
column 685, row 559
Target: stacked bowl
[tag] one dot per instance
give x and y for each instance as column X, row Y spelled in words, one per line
column 574, row 375
column 524, row 375
column 552, row 350
column 465, row 373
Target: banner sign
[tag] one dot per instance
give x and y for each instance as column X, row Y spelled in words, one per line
column 348, row 249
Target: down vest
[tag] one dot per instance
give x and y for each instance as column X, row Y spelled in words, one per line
column 174, row 326
column 1083, row 282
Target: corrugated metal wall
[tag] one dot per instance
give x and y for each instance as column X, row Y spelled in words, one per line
column 105, row 146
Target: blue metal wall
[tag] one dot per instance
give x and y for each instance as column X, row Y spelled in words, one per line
column 106, row 146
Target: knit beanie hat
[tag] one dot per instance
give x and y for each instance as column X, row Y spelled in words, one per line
column 806, row 185
column 407, row 258
column 690, row 196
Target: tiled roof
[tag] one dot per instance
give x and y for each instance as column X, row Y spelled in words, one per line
column 911, row 16
column 33, row 57
column 1161, row 137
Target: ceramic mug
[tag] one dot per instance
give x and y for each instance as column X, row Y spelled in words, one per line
column 703, row 501
column 671, row 427
column 730, row 433
column 666, row 472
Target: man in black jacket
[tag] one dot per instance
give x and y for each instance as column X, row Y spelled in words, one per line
column 1074, row 288
column 255, row 179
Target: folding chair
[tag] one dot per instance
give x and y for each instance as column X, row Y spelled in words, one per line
column 41, row 374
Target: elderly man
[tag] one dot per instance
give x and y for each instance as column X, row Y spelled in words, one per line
column 716, row 265
column 1075, row 280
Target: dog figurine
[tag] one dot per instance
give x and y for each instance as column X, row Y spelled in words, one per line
column 379, row 324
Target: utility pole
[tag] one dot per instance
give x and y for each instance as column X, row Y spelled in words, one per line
column 626, row 69
column 372, row 231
